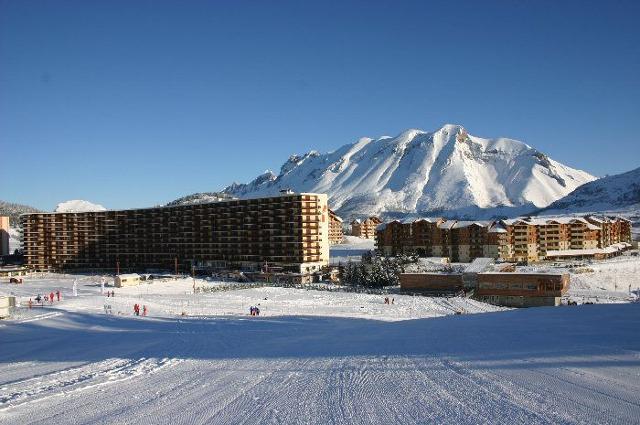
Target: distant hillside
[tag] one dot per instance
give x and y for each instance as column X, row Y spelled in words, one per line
column 612, row 195
column 200, row 198
column 14, row 211
column 620, row 191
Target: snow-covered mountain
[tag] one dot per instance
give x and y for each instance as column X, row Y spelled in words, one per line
column 447, row 172
column 14, row 210
column 612, row 195
column 620, row 191
column 78, row 205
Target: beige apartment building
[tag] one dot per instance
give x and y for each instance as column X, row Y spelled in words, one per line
column 4, row 235
column 288, row 232
column 520, row 240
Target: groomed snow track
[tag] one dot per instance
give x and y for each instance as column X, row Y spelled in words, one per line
column 545, row 365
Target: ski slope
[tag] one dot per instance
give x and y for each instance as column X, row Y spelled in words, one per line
column 311, row 357
column 71, row 368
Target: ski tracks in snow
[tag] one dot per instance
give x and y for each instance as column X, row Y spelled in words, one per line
column 80, row 378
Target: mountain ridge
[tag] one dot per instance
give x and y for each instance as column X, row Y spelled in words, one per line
column 614, row 192
column 419, row 172
column 13, row 211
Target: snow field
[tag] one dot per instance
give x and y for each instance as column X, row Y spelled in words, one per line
column 316, row 357
column 610, row 281
column 545, row 365
column 173, row 297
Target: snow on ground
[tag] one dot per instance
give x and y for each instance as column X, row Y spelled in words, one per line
column 615, row 280
column 312, row 357
column 171, row 298
column 544, row 365
column 351, row 249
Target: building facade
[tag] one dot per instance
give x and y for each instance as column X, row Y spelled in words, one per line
column 522, row 289
column 460, row 241
column 519, row 240
column 336, row 234
column 365, row 228
column 289, row 232
column 4, row 235
column 514, row 289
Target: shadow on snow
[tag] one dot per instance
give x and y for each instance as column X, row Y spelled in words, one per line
column 533, row 338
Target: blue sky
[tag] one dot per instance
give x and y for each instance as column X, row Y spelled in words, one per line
column 135, row 103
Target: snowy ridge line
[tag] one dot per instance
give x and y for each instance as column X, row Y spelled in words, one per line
column 447, row 171
column 78, row 379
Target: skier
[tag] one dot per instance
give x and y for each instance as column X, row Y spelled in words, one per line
column 113, row 294
column 257, row 311
column 144, row 310
column 38, row 299
column 108, row 294
column 51, row 297
column 30, row 303
column 58, row 295
column 46, row 298
column 135, row 309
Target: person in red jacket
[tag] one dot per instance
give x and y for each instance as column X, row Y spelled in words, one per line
column 51, row 297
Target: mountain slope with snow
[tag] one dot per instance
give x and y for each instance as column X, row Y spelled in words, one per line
column 613, row 195
column 620, row 191
column 13, row 211
column 200, row 198
column 78, row 205
column 417, row 172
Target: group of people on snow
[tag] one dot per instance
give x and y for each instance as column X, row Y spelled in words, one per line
column 388, row 300
column 254, row 311
column 50, row 298
column 111, row 294
column 136, row 310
